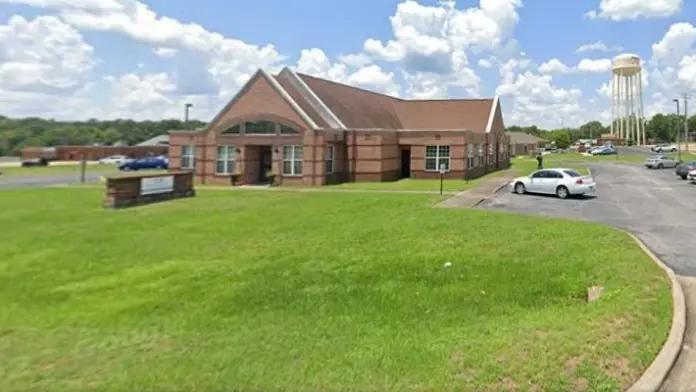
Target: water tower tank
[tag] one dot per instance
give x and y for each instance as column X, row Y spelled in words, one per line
column 626, row 64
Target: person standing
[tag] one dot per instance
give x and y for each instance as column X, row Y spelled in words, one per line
column 540, row 161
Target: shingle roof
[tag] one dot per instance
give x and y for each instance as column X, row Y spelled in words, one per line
column 524, row 138
column 363, row 109
column 301, row 102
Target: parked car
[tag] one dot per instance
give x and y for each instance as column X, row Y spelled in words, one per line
column 35, row 162
column 560, row 182
column 145, row 163
column 665, row 148
column 607, row 150
column 692, row 175
column 114, row 160
column 682, row 169
column 660, row 162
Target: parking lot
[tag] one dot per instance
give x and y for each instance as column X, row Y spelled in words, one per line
column 655, row 205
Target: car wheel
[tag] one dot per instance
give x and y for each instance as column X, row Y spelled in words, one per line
column 683, row 177
column 520, row 189
column 674, row 150
column 562, row 192
column 659, row 166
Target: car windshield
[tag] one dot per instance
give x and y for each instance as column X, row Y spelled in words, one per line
column 572, row 173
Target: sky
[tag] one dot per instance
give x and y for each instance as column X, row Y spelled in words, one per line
column 549, row 61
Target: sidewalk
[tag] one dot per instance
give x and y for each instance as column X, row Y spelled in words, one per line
column 682, row 377
column 472, row 197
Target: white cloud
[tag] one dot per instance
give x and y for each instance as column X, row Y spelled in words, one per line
column 43, row 53
column 677, row 43
column 597, row 46
column 597, row 66
column 165, row 52
column 687, row 72
column 484, row 63
column 635, row 9
column 554, row 66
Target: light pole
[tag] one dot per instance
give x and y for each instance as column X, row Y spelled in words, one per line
column 186, row 111
column 678, row 128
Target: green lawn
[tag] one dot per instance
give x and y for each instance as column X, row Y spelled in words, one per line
column 421, row 184
column 270, row 291
column 526, row 165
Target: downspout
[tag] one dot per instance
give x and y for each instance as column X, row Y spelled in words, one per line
column 205, row 161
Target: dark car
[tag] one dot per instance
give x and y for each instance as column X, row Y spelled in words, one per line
column 682, row 169
column 35, row 162
column 145, row 163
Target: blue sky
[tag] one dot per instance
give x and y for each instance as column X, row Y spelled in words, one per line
column 144, row 59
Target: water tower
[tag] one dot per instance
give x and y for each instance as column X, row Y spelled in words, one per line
column 627, row 119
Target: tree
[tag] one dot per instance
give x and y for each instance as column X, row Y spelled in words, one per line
column 560, row 137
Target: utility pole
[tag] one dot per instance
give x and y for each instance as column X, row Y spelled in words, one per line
column 686, row 98
column 678, row 128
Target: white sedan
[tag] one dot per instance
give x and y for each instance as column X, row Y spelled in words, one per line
column 560, row 182
column 114, row 160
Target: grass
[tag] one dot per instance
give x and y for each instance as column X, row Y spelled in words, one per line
column 526, row 165
column 272, row 291
column 623, row 158
column 408, row 184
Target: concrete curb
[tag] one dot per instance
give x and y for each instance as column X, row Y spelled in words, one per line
column 497, row 189
column 657, row 372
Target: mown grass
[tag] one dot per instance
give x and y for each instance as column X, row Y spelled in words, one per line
column 269, row 291
column 527, row 165
column 413, row 184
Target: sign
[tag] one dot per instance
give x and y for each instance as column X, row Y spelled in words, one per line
column 155, row 185
column 443, row 168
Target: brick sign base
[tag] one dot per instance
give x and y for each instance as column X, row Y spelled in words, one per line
column 129, row 191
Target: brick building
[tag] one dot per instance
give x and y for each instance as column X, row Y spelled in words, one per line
column 311, row 131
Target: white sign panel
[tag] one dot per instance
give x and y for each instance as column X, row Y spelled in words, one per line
column 443, row 169
column 154, row 185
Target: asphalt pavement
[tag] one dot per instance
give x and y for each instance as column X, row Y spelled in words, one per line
column 655, row 205
column 45, row 180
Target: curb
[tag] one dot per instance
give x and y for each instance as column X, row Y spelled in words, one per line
column 496, row 190
column 657, row 372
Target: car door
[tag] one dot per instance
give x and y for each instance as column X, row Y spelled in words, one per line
column 536, row 181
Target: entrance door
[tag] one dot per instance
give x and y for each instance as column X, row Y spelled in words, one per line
column 405, row 163
column 265, row 162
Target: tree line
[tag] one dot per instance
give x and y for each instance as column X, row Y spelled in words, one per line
column 16, row 133
column 660, row 128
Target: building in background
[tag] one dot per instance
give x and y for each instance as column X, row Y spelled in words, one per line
column 523, row 144
column 294, row 128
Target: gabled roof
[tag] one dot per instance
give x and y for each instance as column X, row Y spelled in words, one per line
column 524, row 138
column 363, row 109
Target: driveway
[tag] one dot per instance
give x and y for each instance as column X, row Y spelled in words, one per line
column 655, row 205
column 45, row 180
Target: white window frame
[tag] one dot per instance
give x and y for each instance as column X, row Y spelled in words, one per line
column 439, row 157
column 470, row 157
column 188, row 158
column 227, row 155
column 480, row 154
column 330, row 159
column 293, row 159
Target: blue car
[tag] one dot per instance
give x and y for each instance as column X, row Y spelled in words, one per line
column 145, row 163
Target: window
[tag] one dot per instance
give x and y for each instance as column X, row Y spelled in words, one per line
column 226, row 157
column 436, row 156
column 260, row 128
column 188, row 157
column 292, row 160
column 480, row 154
column 329, row 159
column 470, row 156
column 501, row 152
column 572, row 173
column 540, row 174
column 491, row 153
column 233, row 130
column 284, row 129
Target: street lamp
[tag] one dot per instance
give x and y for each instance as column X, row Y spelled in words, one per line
column 186, row 111
column 678, row 128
